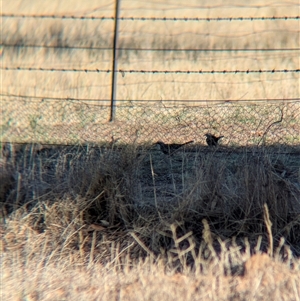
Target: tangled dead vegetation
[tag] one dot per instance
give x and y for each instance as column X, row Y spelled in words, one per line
column 125, row 207
column 135, row 195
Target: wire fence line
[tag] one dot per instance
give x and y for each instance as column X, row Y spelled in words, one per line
column 125, row 103
column 103, row 18
column 152, row 71
column 149, row 110
column 82, row 122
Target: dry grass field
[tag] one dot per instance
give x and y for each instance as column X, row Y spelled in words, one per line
column 104, row 214
column 71, row 107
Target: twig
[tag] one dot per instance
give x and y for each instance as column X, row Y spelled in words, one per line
column 150, row 253
column 268, row 128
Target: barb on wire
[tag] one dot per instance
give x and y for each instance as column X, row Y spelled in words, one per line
column 103, row 18
column 153, row 71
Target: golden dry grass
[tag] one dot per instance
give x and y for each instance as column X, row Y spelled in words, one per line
column 265, row 278
column 35, row 267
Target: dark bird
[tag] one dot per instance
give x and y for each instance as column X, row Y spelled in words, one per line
column 212, row 140
column 170, row 149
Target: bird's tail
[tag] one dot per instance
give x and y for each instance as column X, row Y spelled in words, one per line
column 220, row 137
column 188, row 142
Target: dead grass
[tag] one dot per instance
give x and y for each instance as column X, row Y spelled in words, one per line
column 264, row 278
column 128, row 222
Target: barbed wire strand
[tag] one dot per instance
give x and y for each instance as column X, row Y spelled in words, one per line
column 151, row 71
column 105, row 18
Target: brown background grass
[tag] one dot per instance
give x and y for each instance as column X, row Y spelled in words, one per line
column 49, row 120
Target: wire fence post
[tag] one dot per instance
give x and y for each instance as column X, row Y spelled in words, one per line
column 115, row 64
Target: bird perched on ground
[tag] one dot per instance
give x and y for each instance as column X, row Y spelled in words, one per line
column 212, row 140
column 170, row 149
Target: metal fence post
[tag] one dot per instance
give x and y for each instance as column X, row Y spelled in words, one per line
column 115, row 64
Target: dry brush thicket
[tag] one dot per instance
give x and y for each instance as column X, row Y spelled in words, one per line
column 132, row 210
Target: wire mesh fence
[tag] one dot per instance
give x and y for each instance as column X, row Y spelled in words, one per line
column 71, row 121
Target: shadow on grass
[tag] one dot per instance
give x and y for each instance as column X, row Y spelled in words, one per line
column 134, row 195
